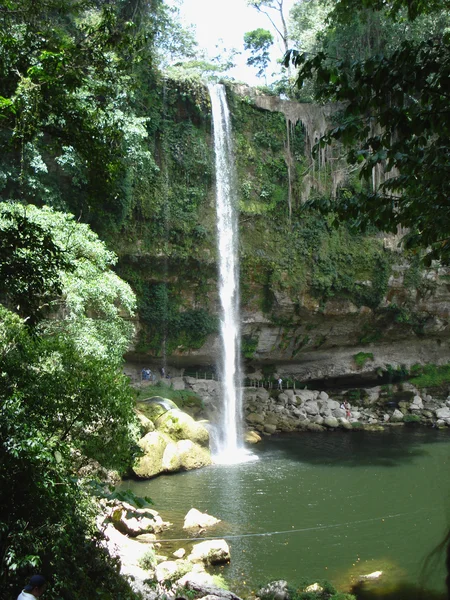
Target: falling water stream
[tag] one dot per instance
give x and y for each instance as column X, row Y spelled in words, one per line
column 229, row 447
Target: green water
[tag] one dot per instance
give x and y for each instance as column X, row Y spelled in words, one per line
column 332, row 506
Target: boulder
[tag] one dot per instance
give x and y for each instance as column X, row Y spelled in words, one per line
column 136, row 522
column 275, row 590
column 416, row 404
column 171, row 460
column 339, row 413
column 179, row 553
column 255, row 418
column 153, row 444
column 313, row 588
column 443, row 413
column 193, row 456
column 251, row 437
column 312, row 426
column 181, row 426
column 311, row 408
column 270, row 428
column 146, row 424
column 306, row 395
column 397, row 416
column 331, row 422
column 196, row 519
column 177, row 383
column 203, row 586
column 172, row 570
column 210, row 552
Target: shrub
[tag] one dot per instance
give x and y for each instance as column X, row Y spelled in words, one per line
column 361, row 358
column 411, row 419
column 148, row 560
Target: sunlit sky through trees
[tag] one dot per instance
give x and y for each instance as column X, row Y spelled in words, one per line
column 221, row 24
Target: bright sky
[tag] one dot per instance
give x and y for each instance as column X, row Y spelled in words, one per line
column 228, row 20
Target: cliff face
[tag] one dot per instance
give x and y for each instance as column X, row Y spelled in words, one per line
column 313, row 296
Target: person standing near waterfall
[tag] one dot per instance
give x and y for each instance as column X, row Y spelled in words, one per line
column 280, row 383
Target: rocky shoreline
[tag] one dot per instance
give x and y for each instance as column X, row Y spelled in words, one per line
column 130, row 535
column 276, row 411
column 174, row 440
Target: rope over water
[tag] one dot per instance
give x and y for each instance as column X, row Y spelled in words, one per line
column 288, row 531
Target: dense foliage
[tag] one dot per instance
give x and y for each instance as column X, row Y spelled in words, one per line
column 69, row 132
column 395, row 118
column 63, row 400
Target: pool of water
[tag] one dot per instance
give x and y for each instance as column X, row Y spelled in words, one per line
column 333, row 505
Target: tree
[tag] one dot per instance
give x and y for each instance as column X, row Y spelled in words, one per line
column 63, row 401
column 69, row 134
column 258, row 42
column 395, row 115
column 268, row 8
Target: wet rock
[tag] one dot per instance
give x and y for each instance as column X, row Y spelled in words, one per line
column 210, row 552
column 276, row 590
column 197, row 520
column 251, row 437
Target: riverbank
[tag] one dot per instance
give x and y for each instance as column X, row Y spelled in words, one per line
column 272, row 411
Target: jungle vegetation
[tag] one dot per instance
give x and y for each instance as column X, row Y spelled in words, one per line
column 104, row 151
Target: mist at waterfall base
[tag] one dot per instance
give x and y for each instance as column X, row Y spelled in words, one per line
column 331, row 506
column 227, row 442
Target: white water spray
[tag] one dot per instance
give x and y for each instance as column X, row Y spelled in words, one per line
column 229, row 445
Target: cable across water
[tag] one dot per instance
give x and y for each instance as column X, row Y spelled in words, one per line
column 288, row 531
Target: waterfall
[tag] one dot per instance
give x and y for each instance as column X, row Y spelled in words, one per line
column 229, row 443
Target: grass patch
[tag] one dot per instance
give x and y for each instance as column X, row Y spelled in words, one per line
column 430, row 375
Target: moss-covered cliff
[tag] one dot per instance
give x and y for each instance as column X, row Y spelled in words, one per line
column 309, row 290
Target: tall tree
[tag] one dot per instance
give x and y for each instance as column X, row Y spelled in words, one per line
column 275, row 12
column 258, row 42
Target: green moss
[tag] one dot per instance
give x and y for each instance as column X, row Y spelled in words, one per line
column 184, row 399
column 249, row 344
column 411, row 419
column 361, row 358
column 431, row 375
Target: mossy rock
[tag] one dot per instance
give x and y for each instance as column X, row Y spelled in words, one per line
column 155, row 406
column 180, row 426
column 151, row 464
column 193, row 456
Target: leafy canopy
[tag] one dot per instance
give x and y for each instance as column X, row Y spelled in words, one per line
column 395, row 116
column 258, row 42
column 63, row 400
